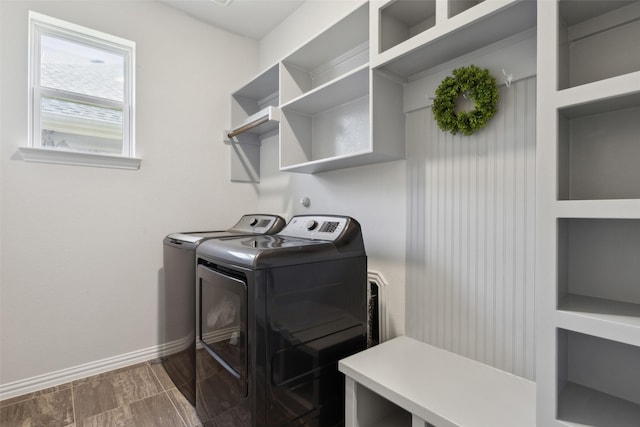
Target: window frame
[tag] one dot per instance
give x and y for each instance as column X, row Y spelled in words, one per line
column 42, row 25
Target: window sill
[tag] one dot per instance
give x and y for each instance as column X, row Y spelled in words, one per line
column 78, row 158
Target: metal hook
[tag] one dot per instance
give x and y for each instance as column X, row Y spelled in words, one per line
column 508, row 78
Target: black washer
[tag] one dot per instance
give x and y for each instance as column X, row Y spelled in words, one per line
column 276, row 314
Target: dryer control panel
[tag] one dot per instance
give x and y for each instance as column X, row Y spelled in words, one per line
column 319, row 227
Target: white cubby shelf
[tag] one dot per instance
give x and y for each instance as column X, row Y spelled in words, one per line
column 595, row 385
column 450, row 29
column 324, row 101
column 589, row 214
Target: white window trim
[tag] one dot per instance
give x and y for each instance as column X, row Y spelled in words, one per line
column 42, row 24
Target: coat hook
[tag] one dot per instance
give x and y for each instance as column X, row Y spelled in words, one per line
column 508, row 78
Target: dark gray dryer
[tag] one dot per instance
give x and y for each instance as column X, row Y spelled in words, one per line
column 178, row 305
column 276, row 314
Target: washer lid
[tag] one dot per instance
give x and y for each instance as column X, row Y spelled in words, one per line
column 198, row 236
column 306, row 239
column 246, row 225
column 256, row 252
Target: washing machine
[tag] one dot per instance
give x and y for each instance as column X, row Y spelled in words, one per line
column 178, row 314
column 276, row 314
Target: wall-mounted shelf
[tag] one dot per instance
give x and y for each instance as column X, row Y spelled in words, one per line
column 337, row 51
column 257, row 124
column 470, row 28
column 311, row 125
column 330, row 98
column 340, row 125
column 326, row 103
column 254, row 112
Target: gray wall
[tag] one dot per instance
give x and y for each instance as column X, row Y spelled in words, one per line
column 470, row 228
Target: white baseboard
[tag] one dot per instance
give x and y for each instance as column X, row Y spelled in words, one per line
column 63, row 376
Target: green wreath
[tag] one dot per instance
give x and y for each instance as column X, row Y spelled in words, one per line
column 477, row 84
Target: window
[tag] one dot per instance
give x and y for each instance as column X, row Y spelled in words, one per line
column 81, row 93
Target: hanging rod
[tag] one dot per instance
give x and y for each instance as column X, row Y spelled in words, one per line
column 248, row 126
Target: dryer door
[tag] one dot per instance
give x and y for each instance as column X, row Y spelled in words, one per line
column 223, row 321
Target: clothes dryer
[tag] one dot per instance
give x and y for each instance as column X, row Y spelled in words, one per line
column 178, row 314
column 276, row 314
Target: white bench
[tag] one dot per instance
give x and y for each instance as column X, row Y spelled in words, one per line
column 405, row 382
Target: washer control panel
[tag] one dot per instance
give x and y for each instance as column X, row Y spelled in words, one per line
column 320, row 227
column 259, row 224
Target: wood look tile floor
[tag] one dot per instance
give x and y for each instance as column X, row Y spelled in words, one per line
column 137, row 396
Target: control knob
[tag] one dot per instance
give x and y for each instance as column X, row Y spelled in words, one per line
column 253, row 222
column 311, row 224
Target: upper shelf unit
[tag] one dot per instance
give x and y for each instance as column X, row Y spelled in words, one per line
column 254, row 112
column 444, row 30
column 597, row 40
column 329, row 100
column 336, row 52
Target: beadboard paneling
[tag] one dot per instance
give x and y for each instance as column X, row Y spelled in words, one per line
column 470, row 239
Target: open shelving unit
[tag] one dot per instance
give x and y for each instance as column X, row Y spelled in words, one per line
column 254, row 112
column 330, row 98
column 588, row 227
column 449, row 29
column 324, row 100
column 329, row 56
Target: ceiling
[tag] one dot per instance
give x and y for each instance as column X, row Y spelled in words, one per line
column 250, row 18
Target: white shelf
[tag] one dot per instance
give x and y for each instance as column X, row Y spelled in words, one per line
column 592, row 98
column 599, row 258
column 608, row 30
column 596, row 376
column 613, row 320
column 581, row 406
column 269, row 119
column 334, row 163
column 477, row 27
column 255, row 102
column 329, row 102
column 337, row 51
column 342, row 90
column 612, row 208
column 352, row 121
column 255, row 97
